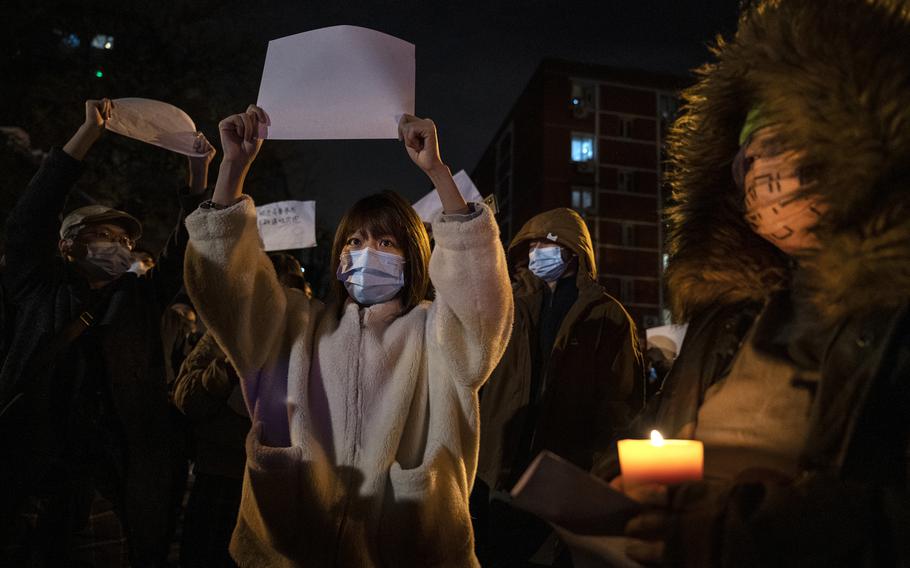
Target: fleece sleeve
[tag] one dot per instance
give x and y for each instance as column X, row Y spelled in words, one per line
column 471, row 317
column 235, row 290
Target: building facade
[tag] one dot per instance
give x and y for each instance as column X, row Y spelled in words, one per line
column 591, row 138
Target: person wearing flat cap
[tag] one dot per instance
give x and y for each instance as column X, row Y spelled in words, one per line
column 90, row 449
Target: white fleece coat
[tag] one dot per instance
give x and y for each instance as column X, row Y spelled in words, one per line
column 365, row 437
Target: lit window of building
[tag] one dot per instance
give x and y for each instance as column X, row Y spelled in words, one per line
column 582, row 147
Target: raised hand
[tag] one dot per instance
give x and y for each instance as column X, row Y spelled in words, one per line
column 239, row 135
column 96, row 114
column 240, row 143
column 198, row 171
column 421, row 142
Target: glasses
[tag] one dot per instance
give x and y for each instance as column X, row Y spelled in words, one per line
column 109, row 236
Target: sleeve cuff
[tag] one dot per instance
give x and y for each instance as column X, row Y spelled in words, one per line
column 205, row 223
column 473, row 212
column 470, row 230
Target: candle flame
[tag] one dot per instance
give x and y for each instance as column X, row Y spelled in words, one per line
column 656, row 438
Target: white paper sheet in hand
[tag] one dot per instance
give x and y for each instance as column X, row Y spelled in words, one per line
column 337, row 83
column 430, row 205
column 285, row 225
column 668, row 338
column 561, row 493
column 154, row 122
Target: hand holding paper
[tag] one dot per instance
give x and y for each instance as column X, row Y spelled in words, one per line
column 336, row 83
column 239, row 135
column 97, row 113
column 198, row 171
column 154, row 122
column 241, row 144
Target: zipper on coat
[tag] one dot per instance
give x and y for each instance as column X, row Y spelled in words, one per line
column 349, row 482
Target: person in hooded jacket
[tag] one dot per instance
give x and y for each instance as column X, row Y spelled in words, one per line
column 571, row 378
column 793, row 271
column 84, row 419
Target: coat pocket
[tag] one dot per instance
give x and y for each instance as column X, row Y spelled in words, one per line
column 425, row 520
column 270, row 501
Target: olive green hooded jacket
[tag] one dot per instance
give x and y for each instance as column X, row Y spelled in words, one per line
column 593, row 383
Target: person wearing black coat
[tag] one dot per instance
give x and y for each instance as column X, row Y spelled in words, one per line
column 88, row 446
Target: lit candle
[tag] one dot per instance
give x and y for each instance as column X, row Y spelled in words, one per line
column 660, row 461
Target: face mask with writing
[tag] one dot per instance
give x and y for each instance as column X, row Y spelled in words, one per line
column 371, row 276
column 776, row 208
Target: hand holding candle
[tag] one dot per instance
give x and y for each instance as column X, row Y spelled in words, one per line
column 660, row 461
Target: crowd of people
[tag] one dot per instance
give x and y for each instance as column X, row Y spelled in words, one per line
column 203, row 396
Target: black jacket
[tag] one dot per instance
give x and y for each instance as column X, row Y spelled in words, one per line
column 47, row 294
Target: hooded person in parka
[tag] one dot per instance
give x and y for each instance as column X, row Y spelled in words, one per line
column 795, row 368
column 571, row 377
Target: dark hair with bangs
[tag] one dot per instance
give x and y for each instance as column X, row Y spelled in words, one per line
column 388, row 213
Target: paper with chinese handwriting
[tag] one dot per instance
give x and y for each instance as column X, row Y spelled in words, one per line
column 336, row 83
column 285, row 225
column 154, row 122
column 430, row 205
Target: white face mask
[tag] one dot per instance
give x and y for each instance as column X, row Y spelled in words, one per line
column 546, row 263
column 139, row 268
column 106, row 260
column 371, row 276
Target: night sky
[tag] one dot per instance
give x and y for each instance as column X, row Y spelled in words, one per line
column 473, row 60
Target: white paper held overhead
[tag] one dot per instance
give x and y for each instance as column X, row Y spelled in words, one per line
column 285, row 225
column 430, row 205
column 337, row 83
column 154, row 122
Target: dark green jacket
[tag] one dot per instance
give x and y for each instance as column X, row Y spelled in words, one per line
column 593, row 384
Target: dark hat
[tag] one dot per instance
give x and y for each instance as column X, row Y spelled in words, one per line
column 93, row 214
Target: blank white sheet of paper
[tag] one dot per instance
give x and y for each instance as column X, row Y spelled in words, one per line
column 285, row 225
column 336, row 83
column 154, row 122
column 430, row 205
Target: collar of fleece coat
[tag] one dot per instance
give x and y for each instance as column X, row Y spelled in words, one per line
column 835, row 78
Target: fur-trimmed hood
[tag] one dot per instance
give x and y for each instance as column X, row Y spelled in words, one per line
column 835, row 78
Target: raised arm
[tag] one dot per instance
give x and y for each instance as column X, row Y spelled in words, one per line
column 233, row 284
column 422, row 143
column 33, row 224
column 471, row 319
column 240, row 145
column 168, row 273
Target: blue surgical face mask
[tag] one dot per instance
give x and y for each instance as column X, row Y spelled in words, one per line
column 546, row 263
column 371, row 276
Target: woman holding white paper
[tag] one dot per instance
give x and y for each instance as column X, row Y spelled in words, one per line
column 365, row 434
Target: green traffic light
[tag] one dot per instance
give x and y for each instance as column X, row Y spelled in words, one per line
column 99, row 73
